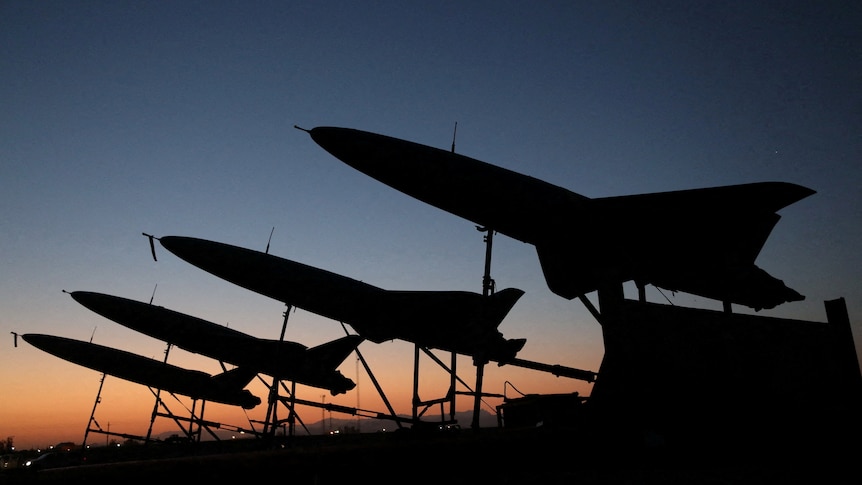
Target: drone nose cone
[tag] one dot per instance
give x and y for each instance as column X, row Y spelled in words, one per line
column 329, row 135
column 351, row 146
column 191, row 249
column 326, row 135
column 86, row 298
column 405, row 166
column 173, row 243
column 80, row 296
column 47, row 343
column 89, row 300
column 33, row 338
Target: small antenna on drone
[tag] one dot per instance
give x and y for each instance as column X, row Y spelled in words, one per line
column 15, row 338
column 154, row 293
column 93, row 334
column 270, row 239
column 454, row 132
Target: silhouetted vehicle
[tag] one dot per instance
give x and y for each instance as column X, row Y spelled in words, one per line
column 52, row 459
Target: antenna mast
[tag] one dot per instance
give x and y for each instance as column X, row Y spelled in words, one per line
column 270, row 239
column 454, row 133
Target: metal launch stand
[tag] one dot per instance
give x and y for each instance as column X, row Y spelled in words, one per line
column 196, row 424
column 272, row 422
column 192, row 432
column 98, row 427
column 421, row 407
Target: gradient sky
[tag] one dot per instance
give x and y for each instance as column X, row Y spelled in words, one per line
column 176, row 118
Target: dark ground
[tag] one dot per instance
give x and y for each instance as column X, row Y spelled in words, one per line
column 490, row 456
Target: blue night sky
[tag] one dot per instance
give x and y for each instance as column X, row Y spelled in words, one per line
column 177, row 118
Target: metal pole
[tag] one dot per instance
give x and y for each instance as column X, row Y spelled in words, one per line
column 158, row 396
column 452, row 384
column 270, row 423
column 487, row 289
column 487, row 281
column 415, row 383
column 93, row 412
column 477, row 402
